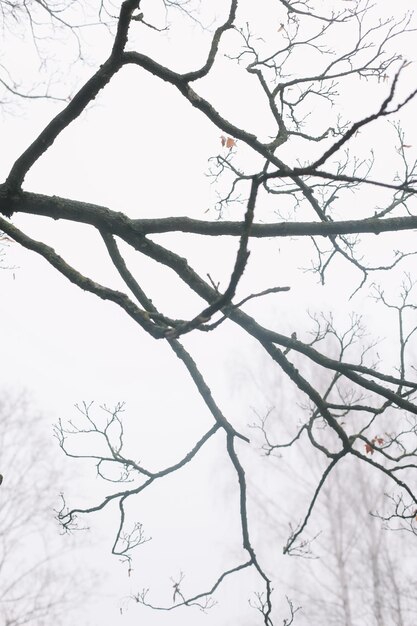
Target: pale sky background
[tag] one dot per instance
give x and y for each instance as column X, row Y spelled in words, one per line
column 140, row 149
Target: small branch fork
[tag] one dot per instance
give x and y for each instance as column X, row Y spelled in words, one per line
column 371, row 393
column 130, row 470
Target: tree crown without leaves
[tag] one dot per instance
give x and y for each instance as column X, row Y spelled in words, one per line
column 300, row 157
column 37, row 584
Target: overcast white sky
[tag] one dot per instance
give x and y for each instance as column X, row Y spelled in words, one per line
column 141, row 150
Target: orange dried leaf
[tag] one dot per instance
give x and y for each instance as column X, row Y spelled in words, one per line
column 230, row 143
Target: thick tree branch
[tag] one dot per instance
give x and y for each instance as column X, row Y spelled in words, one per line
column 118, row 224
column 78, row 103
column 117, row 297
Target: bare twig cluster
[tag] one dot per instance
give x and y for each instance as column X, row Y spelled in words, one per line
column 357, row 392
